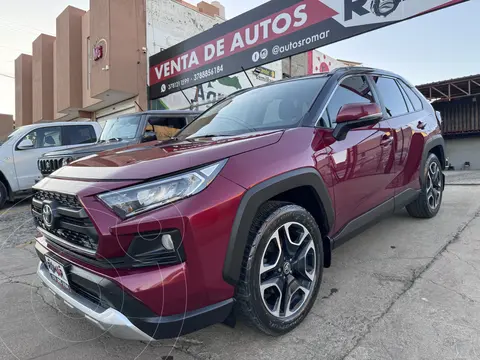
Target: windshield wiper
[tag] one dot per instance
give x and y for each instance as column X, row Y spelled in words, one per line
column 115, row 139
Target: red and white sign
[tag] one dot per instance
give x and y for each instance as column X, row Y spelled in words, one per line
column 273, row 31
column 288, row 21
column 319, row 62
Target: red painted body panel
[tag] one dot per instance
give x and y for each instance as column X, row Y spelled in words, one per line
column 409, row 144
column 362, row 170
column 352, row 112
column 151, row 160
column 205, row 222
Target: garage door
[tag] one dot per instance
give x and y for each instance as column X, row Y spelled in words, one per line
column 113, row 111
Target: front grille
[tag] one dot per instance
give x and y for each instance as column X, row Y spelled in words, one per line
column 48, row 166
column 77, row 238
column 72, row 224
column 67, row 200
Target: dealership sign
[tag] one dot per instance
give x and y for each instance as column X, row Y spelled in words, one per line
column 272, row 31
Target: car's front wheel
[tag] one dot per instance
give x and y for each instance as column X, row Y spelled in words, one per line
column 3, row 194
column 429, row 201
column 282, row 268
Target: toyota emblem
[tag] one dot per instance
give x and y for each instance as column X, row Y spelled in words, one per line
column 47, row 215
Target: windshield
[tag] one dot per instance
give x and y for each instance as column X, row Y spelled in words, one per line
column 277, row 106
column 121, row 128
column 14, row 132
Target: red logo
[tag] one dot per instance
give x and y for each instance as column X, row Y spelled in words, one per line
column 59, row 272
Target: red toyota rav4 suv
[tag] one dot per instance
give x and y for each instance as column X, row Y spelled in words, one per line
column 242, row 209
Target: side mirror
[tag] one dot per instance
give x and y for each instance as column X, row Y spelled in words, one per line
column 352, row 116
column 25, row 144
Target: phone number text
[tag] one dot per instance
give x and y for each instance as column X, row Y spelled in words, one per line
column 207, row 73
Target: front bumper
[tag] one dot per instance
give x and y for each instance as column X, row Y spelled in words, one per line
column 140, row 326
column 109, row 320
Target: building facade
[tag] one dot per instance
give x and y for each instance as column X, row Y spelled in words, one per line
column 6, row 126
column 96, row 67
column 458, row 101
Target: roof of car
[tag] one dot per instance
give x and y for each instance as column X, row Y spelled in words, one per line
column 338, row 72
column 343, row 71
column 57, row 123
column 166, row 112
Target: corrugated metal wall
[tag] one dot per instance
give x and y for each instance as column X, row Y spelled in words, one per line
column 460, row 116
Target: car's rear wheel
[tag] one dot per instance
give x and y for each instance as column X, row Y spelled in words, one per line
column 429, row 201
column 282, row 268
column 3, row 194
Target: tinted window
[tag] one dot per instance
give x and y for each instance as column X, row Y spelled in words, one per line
column 277, row 106
column 45, row 137
column 417, row 103
column 79, row 134
column 352, row 90
column 392, row 96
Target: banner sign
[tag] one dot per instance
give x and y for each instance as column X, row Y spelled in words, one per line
column 273, row 31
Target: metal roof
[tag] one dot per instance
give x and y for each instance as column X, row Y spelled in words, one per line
column 447, row 90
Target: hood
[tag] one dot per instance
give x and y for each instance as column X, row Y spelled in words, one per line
column 82, row 151
column 155, row 159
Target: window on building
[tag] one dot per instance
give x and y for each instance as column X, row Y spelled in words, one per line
column 352, row 90
column 395, row 104
column 417, row 103
column 79, row 134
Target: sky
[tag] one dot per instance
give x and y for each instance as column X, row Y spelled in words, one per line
column 437, row 46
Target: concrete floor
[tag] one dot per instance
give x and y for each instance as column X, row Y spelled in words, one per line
column 404, row 289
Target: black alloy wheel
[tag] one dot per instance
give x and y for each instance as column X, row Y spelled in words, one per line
column 287, row 270
column 429, row 201
column 282, row 268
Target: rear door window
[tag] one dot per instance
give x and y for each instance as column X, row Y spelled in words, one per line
column 79, row 134
column 417, row 103
column 395, row 104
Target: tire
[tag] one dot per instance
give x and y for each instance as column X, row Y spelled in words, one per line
column 3, row 195
column 258, row 291
column 428, row 203
column 384, row 7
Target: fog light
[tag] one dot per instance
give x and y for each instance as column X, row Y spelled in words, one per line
column 167, row 242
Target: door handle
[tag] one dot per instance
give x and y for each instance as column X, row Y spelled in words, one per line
column 386, row 140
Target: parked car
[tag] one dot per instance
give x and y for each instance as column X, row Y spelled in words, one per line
column 122, row 131
column 19, row 153
column 242, row 209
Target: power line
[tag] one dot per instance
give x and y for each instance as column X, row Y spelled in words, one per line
column 7, row 76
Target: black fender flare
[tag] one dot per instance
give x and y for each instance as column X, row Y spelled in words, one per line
column 435, row 141
column 258, row 195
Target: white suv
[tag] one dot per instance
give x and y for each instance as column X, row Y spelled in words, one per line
column 19, row 153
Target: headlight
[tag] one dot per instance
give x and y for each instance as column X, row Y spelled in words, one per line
column 140, row 198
